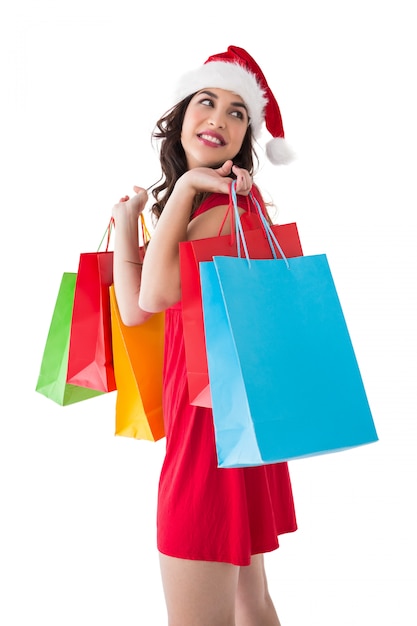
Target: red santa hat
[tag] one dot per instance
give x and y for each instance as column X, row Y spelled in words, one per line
column 235, row 70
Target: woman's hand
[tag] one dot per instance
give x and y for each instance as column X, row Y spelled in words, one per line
column 206, row 179
column 130, row 207
column 243, row 180
column 127, row 262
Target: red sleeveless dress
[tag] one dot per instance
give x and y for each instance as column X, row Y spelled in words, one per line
column 205, row 512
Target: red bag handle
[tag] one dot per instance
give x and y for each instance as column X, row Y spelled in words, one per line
column 146, row 236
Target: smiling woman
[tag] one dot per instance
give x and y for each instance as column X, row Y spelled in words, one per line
column 214, row 525
column 214, row 126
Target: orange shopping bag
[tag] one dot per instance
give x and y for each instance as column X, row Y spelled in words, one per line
column 137, row 360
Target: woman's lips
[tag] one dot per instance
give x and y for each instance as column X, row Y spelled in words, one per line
column 212, row 139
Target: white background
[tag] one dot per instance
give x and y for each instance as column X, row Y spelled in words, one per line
column 81, row 90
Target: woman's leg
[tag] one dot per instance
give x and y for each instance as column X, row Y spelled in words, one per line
column 254, row 606
column 199, row 593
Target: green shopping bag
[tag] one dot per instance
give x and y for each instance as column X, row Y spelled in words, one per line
column 52, row 380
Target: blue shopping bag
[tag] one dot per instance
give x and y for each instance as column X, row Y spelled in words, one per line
column 284, row 378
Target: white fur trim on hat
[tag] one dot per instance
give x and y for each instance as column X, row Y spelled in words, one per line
column 230, row 76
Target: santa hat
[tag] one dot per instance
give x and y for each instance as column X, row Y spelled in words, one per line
column 235, row 70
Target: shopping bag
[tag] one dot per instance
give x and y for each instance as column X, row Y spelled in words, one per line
column 90, row 359
column 284, row 378
column 52, row 379
column 138, row 361
column 191, row 254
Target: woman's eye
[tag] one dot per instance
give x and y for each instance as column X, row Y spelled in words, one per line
column 206, row 102
column 238, row 114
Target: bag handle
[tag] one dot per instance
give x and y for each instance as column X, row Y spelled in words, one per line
column 239, row 232
column 146, row 236
column 249, row 209
column 107, row 233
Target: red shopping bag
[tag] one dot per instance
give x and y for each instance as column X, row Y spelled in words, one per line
column 90, row 357
column 191, row 253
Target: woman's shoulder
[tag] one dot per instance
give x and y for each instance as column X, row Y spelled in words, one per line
column 211, row 217
column 222, row 199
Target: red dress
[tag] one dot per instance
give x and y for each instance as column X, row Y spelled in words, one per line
column 205, row 512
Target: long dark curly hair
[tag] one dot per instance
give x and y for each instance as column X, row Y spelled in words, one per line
column 173, row 160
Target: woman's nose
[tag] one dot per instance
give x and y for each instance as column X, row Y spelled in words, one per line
column 217, row 119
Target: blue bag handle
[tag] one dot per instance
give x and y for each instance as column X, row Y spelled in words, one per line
column 240, row 235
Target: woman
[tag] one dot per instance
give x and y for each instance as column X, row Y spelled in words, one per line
column 214, row 525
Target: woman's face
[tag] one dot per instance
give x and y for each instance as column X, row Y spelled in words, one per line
column 214, row 127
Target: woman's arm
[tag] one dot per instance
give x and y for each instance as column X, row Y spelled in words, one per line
column 127, row 264
column 161, row 287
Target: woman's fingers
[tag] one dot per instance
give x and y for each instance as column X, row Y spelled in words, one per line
column 243, row 180
column 134, row 204
column 138, row 190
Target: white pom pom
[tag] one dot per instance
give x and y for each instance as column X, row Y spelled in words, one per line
column 279, row 152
